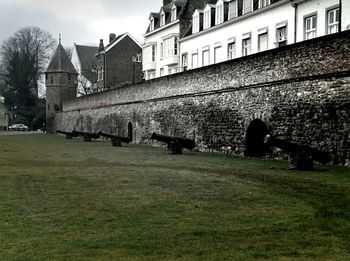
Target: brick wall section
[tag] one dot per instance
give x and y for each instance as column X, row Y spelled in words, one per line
column 302, row 92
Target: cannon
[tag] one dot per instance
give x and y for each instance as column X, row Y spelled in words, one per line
column 116, row 140
column 302, row 157
column 69, row 135
column 87, row 136
column 175, row 144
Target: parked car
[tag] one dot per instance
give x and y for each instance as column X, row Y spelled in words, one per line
column 18, row 127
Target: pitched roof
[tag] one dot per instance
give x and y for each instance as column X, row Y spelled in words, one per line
column 60, row 62
column 180, row 4
column 88, row 61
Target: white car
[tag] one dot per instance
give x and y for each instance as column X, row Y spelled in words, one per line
column 18, row 127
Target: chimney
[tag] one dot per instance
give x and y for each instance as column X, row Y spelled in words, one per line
column 101, row 46
column 112, row 37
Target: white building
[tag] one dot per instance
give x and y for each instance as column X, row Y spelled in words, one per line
column 160, row 51
column 234, row 28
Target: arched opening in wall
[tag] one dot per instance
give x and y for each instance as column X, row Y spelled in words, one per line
column 256, row 132
column 130, row 136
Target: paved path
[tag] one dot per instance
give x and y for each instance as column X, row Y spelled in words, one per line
column 8, row 133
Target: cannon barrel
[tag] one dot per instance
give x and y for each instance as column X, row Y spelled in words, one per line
column 86, row 134
column 69, row 135
column 293, row 147
column 183, row 142
column 112, row 136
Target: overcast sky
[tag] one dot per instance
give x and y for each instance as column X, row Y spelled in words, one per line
column 80, row 21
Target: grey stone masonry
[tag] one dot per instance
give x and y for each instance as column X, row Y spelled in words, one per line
column 301, row 92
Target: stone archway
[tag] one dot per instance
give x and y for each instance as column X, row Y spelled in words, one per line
column 254, row 141
column 130, row 132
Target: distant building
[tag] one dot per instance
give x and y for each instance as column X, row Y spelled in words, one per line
column 85, row 62
column 4, row 116
column 61, row 85
column 119, row 62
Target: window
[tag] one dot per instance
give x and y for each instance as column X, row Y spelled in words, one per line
column 205, row 57
column 162, row 19
column 195, row 24
column 207, row 21
column 219, row 14
column 184, row 61
column 263, row 3
column 247, row 6
column 194, row 60
column 51, row 80
column 217, row 54
column 231, row 50
column 151, row 75
column 161, row 72
column 310, row 25
column 333, row 21
column 281, row 35
column 170, row 46
column 161, row 50
column 69, row 77
column 246, row 46
column 173, row 14
column 262, row 42
column 232, row 9
column 154, row 48
column 149, row 54
column 151, row 24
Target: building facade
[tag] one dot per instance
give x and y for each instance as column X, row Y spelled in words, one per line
column 232, row 29
column 118, row 63
column 189, row 34
column 85, row 63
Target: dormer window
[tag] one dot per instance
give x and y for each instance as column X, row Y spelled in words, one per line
column 206, row 19
column 151, row 24
column 195, row 24
column 247, row 6
column 264, row 3
column 219, row 13
column 173, row 14
column 162, row 19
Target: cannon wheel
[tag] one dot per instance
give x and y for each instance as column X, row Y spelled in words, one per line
column 116, row 142
column 87, row 138
column 174, row 148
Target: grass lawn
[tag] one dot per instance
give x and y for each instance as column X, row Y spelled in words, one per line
column 69, row 200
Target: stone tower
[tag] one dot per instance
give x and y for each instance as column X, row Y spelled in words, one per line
column 61, row 85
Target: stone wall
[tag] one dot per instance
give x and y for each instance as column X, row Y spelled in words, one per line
column 301, row 92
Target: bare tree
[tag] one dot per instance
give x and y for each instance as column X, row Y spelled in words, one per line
column 24, row 57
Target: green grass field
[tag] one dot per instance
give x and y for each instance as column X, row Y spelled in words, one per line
column 69, row 200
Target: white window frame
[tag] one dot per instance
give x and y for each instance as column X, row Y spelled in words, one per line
column 152, row 24
column 312, row 31
column 205, row 50
column 195, row 23
column 162, row 18
column 246, row 45
column 333, row 26
column 264, row 3
column 251, row 4
column 235, row 6
column 260, row 34
column 192, row 64
column 280, row 36
column 219, row 13
column 173, row 13
column 231, row 52
column 207, row 19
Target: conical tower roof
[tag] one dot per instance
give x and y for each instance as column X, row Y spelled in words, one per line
column 60, row 62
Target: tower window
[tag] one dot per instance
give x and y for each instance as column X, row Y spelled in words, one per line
column 69, row 76
column 51, row 79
